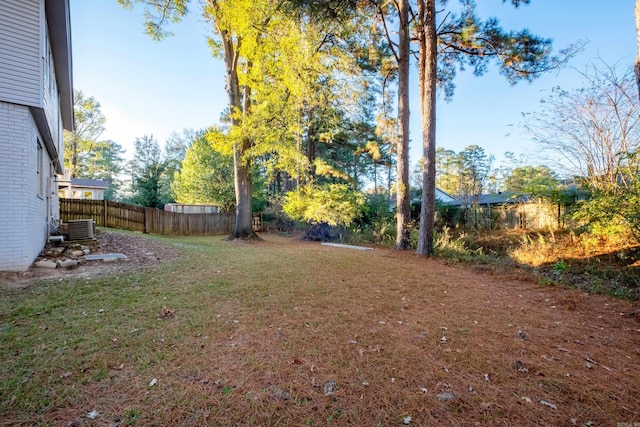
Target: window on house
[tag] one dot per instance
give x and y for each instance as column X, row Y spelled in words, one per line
column 76, row 195
column 88, row 195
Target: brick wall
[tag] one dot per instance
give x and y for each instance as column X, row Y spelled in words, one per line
column 23, row 213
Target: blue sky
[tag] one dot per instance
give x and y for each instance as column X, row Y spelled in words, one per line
column 148, row 87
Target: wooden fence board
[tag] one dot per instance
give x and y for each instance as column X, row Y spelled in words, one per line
column 179, row 224
column 148, row 220
column 537, row 215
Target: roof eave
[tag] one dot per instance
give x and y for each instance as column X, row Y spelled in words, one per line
column 59, row 23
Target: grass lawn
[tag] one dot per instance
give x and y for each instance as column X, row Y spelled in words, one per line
column 290, row 333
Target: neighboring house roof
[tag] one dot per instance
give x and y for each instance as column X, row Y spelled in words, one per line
column 65, row 180
column 441, row 196
column 446, row 198
column 89, row 183
column 502, row 198
column 483, row 199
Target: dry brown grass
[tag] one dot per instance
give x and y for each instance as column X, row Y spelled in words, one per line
column 259, row 331
column 594, row 262
column 536, row 248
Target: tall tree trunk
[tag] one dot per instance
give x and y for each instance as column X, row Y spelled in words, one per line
column 244, row 195
column 427, row 75
column 241, row 167
column 403, row 204
column 311, row 152
column 636, row 67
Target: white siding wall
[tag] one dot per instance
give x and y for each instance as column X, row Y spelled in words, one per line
column 23, row 223
column 21, row 52
column 52, row 99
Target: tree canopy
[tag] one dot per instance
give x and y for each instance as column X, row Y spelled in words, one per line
column 308, row 86
column 147, row 169
column 203, row 177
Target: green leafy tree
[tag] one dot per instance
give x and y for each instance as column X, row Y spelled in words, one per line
column 271, row 69
column 176, row 147
column 105, row 162
column 89, row 125
column 464, row 174
column 447, row 171
column 499, row 174
column 608, row 208
column 350, row 150
column 538, row 181
column 334, row 204
column 85, row 154
column 175, row 150
column 147, row 168
column 205, row 177
column 393, row 61
column 240, row 26
column 475, row 166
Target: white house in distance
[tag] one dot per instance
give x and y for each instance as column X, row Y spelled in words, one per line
column 36, row 91
column 445, row 198
column 81, row 188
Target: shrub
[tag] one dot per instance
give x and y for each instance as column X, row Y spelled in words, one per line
column 613, row 210
column 326, row 209
column 334, row 204
column 377, row 224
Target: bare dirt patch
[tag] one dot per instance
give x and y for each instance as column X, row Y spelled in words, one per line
column 140, row 252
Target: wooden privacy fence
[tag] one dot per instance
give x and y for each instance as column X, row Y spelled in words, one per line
column 147, row 220
column 180, row 224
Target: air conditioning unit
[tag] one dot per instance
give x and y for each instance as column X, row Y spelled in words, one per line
column 82, row 229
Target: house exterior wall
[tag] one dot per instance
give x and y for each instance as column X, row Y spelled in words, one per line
column 35, row 105
column 21, row 50
column 26, row 190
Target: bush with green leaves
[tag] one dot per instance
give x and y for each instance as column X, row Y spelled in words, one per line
column 613, row 209
column 334, row 204
column 377, row 224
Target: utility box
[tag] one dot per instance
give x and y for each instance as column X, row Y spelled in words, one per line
column 82, row 229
